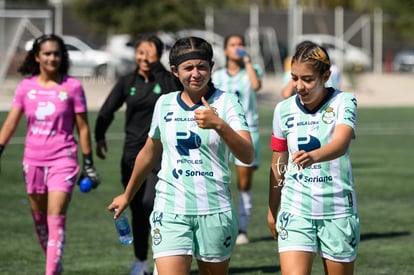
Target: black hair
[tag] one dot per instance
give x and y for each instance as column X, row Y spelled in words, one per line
column 31, row 67
column 187, row 46
column 190, row 44
column 159, row 45
column 226, row 40
column 316, row 55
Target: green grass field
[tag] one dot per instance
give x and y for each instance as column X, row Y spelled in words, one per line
column 381, row 156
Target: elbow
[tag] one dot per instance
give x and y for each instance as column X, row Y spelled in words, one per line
column 333, row 155
column 343, row 149
column 341, row 152
column 257, row 87
column 249, row 156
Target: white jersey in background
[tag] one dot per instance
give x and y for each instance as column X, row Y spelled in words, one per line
column 240, row 85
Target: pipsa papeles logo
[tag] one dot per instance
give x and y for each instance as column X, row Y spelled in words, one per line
column 308, row 143
column 187, row 141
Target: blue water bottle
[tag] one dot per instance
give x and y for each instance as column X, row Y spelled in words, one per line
column 241, row 52
column 123, row 228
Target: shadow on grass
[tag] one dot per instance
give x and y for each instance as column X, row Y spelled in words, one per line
column 386, row 235
column 273, row 269
column 261, row 239
column 250, row 270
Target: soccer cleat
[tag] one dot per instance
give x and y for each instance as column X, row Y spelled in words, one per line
column 242, row 239
column 140, row 268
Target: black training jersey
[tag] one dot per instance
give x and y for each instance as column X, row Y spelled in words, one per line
column 140, row 97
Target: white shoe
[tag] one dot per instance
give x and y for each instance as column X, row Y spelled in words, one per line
column 242, row 239
column 140, row 268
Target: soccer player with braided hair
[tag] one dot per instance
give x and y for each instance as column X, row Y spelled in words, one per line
column 312, row 201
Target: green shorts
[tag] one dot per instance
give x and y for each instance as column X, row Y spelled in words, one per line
column 210, row 238
column 335, row 239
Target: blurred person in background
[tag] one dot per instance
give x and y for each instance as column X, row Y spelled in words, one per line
column 139, row 90
column 53, row 103
column 244, row 79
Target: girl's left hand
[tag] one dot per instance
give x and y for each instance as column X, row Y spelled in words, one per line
column 302, row 159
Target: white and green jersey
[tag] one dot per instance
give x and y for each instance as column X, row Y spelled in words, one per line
column 194, row 178
column 240, row 85
column 323, row 190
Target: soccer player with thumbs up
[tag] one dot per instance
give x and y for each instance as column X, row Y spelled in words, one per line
column 194, row 130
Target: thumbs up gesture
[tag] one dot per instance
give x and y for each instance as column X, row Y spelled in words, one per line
column 207, row 118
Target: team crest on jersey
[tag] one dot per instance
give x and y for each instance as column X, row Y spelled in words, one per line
column 156, row 237
column 284, row 218
column 63, row 95
column 283, row 233
column 328, row 116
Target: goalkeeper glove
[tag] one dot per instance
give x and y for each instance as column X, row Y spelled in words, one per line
column 89, row 171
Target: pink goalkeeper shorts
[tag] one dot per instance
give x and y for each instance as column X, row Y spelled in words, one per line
column 40, row 180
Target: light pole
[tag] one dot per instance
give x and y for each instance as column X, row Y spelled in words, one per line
column 292, row 26
column 58, row 4
column 254, row 31
column 2, row 30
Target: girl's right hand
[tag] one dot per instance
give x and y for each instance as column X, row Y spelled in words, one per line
column 119, row 203
column 151, row 53
column 271, row 221
column 101, row 149
column 241, row 52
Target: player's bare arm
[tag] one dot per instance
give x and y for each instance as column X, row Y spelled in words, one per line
column 338, row 146
column 276, row 179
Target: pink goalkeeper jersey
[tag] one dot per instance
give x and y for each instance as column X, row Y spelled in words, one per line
column 50, row 115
